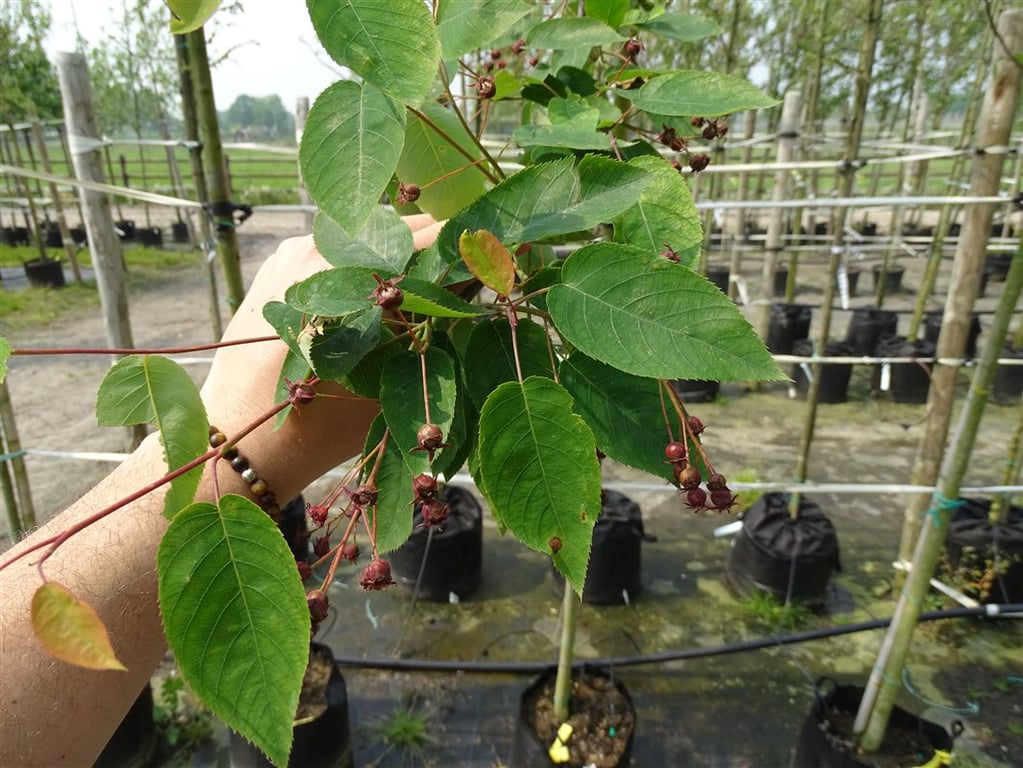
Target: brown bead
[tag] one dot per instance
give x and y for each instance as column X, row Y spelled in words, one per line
column 229, row 452
column 268, row 499
column 239, row 463
column 217, row 438
column 273, row 511
column 259, row 487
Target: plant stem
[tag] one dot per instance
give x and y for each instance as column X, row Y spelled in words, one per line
column 999, row 512
column 133, row 351
column 566, row 650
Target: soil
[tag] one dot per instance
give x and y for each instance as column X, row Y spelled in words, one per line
column 601, row 716
column 313, row 700
column 901, row 746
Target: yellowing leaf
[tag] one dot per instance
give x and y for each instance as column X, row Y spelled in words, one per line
column 189, row 15
column 488, row 259
column 70, row 629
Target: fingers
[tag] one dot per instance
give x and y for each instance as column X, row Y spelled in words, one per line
column 426, row 236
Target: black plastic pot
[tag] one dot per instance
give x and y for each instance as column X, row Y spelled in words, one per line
column 1007, row 387
column 781, row 280
column 696, row 390
column 16, row 236
column 975, row 545
column 867, row 228
column 892, row 277
column 295, row 528
column 853, row 280
column 46, row 273
column 527, row 749
column 151, row 236
column 909, row 382
column 78, row 236
column 719, row 274
column 324, row 742
column 932, row 328
column 791, row 559
column 834, row 386
column 788, row 324
column 454, row 561
column 179, row 232
column 818, row 746
column 126, row 229
column 867, row 326
column 133, row 744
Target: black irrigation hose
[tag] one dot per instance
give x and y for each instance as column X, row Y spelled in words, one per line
column 535, row 667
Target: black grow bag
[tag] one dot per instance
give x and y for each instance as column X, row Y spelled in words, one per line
column 323, row 742
column 613, row 575
column 134, row 742
column 973, row 545
column 932, row 329
column 789, row 323
column 908, row 382
column 867, row 327
column 295, row 527
column 790, row 559
column 1007, row 387
column 45, row 273
column 454, row 561
column 818, row 747
column 696, row 390
column 527, row 749
column 834, row 385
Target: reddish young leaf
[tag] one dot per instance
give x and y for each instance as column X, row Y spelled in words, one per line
column 488, row 259
column 71, row 630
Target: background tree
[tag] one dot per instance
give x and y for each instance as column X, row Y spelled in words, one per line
column 27, row 77
column 258, row 117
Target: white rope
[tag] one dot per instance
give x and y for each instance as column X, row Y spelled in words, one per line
column 825, row 203
column 268, row 148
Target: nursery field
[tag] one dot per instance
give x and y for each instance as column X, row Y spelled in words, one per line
column 722, row 708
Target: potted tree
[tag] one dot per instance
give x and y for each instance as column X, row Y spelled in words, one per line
column 483, row 349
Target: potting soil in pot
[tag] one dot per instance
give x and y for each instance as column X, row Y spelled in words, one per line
column 601, row 714
column 792, row 559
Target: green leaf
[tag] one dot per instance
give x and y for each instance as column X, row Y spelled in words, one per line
column 549, row 199
column 342, row 343
column 5, row 353
column 334, row 292
column 350, row 148
column 287, row 321
column 401, row 400
column 571, row 33
column 489, row 260
column 648, row 316
column 572, row 126
column 611, row 12
column 235, row 616
column 393, row 45
column 364, row 379
column 540, row 470
column 664, row 215
column 429, row 158
column 467, row 25
column 464, row 425
column 70, row 629
column 706, row 94
column 188, row 15
column 490, row 357
column 425, row 298
column 393, row 516
column 624, row 412
column 681, row 27
column 384, row 244
column 150, row 389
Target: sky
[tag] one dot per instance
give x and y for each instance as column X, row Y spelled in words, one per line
column 273, row 52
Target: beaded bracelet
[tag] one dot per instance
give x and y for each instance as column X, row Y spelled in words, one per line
column 257, row 487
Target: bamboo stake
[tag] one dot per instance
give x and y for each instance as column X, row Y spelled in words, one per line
column 735, row 264
column 566, row 650
column 994, row 129
column 847, row 183
column 25, row 518
column 301, row 113
column 14, row 156
column 999, row 512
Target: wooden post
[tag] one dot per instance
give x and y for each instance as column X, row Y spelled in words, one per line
column 741, row 216
column 993, row 132
column 788, row 131
column 58, row 207
column 14, row 158
column 301, row 113
column 66, row 150
column 23, row 514
column 107, row 261
column 215, row 167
